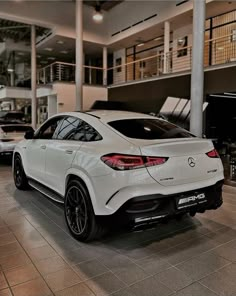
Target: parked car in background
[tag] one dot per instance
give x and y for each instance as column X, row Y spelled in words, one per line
column 11, row 117
column 132, row 167
column 10, row 135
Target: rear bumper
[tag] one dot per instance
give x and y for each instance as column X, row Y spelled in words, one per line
column 157, row 207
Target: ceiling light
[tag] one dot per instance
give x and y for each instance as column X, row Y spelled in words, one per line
column 230, row 94
column 64, row 51
column 221, row 96
column 60, row 42
column 48, row 49
column 158, row 38
column 140, row 44
column 98, row 16
column 51, row 58
column 10, row 70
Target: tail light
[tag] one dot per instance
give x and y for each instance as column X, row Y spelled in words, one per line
column 213, row 154
column 122, row 162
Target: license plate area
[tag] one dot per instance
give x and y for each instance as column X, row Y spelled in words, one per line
column 190, row 200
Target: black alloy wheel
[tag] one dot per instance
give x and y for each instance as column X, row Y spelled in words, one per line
column 76, row 210
column 79, row 214
column 20, row 178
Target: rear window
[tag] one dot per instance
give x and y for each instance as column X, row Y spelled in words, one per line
column 16, row 129
column 149, row 129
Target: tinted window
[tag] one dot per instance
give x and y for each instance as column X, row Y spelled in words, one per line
column 67, row 128
column 16, row 129
column 48, row 129
column 149, row 129
column 75, row 129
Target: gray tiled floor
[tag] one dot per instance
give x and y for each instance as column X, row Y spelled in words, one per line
column 38, row 257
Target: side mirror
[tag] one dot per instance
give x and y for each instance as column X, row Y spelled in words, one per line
column 29, row 135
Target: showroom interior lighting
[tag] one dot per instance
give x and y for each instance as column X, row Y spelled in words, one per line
column 98, row 16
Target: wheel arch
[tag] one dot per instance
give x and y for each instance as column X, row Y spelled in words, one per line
column 84, row 179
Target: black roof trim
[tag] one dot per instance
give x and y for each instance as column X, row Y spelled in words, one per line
column 86, row 112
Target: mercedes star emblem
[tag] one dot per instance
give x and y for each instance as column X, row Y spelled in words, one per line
column 191, row 162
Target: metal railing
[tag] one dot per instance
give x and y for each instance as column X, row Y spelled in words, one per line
column 218, row 51
column 60, row 71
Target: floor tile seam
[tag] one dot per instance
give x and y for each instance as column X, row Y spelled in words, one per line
column 210, row 289
column 9, row 287
column 199, row 279
column 41, row 276
column 76, row 285
column 90, row 278
column 47, row 217
column 152, row 276
column 222, row 244
column 196, row 258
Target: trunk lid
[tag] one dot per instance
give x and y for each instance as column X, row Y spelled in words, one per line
column 187, row 160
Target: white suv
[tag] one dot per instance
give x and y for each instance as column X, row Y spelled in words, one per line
column 134, row 167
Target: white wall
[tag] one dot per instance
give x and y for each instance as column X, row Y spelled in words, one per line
column 182, row 63
column 93, row 93
column 66, row 96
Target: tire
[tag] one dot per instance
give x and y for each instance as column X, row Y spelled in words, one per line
column 79, row 214
column 20, row 179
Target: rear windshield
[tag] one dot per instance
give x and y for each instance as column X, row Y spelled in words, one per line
column 16, row 129
column 149, row 129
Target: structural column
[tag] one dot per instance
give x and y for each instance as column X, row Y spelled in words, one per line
column 104, row 66
column 166, row 46
column 33, row 78
column 79, row 55
column 197, row 79
column 52, row 105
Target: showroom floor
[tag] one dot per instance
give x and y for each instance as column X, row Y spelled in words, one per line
column 192, row 257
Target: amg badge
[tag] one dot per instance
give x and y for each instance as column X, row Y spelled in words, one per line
column 191, row 200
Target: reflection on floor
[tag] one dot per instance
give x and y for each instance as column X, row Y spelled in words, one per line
column 38, row 257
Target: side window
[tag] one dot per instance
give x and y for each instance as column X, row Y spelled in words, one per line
column 67, row 129
column 81, row 131
column 49, row 128
column 90, row 134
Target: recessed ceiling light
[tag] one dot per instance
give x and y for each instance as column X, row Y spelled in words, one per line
column 140, row 44
column 60, row 42
column 51, row 58
column 64, row 51
column 10, row 70
column 48, row 49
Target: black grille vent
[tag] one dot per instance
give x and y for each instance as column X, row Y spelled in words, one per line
column 135, row 24
column 181, row 2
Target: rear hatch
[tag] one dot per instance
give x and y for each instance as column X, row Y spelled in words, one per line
column 187, row 161
column 186, row 155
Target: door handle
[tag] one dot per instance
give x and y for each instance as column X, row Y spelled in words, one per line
column 69, row 151
column 43, row 147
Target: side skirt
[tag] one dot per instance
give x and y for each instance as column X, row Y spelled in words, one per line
column 46, row 191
